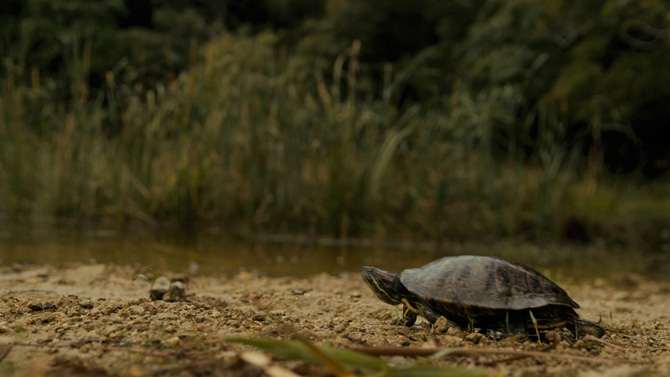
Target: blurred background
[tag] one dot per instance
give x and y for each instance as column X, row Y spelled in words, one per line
column 294, row 136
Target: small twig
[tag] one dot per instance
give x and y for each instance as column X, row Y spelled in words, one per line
column 26, row 344
column 178, row 366
column 593, row 339
column 11, row 292
column 476, row 352
column 5, row 352
column 551, row 336
column 629, row 336
column 135, row 350
column 98, row 348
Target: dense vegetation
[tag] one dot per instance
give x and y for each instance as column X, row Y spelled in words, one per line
column 543, row 120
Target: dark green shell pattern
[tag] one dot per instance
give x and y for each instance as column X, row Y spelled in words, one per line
column 484, row 282
column 486, row 292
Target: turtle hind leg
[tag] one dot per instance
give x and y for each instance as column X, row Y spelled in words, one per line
column 430, row 315
column 433, row 316
column 583, row 326
column 509, row 326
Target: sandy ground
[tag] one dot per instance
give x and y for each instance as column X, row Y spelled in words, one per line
column 93, row 320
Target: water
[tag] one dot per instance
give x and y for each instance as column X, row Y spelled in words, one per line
column 220, row 255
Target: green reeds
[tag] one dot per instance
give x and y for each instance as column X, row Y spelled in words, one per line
column 257, row 143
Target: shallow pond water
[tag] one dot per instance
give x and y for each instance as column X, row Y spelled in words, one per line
column 280, row 256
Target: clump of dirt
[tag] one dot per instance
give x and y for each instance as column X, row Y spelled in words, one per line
column 93, row 320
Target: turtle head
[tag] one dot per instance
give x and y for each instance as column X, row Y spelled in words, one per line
column 385, row 285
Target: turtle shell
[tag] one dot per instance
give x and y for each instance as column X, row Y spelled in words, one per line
column 484, row 282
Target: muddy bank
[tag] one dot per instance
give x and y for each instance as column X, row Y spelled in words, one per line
column 85, row 320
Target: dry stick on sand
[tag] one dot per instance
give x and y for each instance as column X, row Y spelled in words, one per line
column 98, row 348
column 629, row 336
column 476, row 352
column 551, row 336
column 473, row 352
column 555, row 340
column 5, row 352
column 591, row 338
column 12, row 292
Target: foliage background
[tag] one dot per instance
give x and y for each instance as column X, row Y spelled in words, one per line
column 460, row 120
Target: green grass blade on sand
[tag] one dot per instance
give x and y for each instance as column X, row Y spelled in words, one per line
column 329, row 362
column 297, row 350
column 352, row 359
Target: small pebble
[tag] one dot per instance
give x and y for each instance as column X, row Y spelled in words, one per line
column 157, row 293
column 137, row 310
column 176, row 292
column 450, row 341
column 174, row 341
column 167, row 316
column 440, row 326
column 245, row 276
column 474, row 337
column 258, row 318
column 298, row 291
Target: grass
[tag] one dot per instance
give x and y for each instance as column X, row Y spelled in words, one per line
column 343, row 362
column 255, row 141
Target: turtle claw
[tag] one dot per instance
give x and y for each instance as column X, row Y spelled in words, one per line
column 399, row 322
column 408, row 318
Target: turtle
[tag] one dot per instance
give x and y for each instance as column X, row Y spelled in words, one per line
column 480, row 292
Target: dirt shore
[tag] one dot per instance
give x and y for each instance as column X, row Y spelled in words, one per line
column 93, row 320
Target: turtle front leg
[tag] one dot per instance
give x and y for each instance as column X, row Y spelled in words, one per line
column 408, row 317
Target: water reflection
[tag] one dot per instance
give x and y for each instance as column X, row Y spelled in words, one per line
column 217, row 255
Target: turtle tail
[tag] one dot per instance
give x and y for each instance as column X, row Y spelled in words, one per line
column 587, row 327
